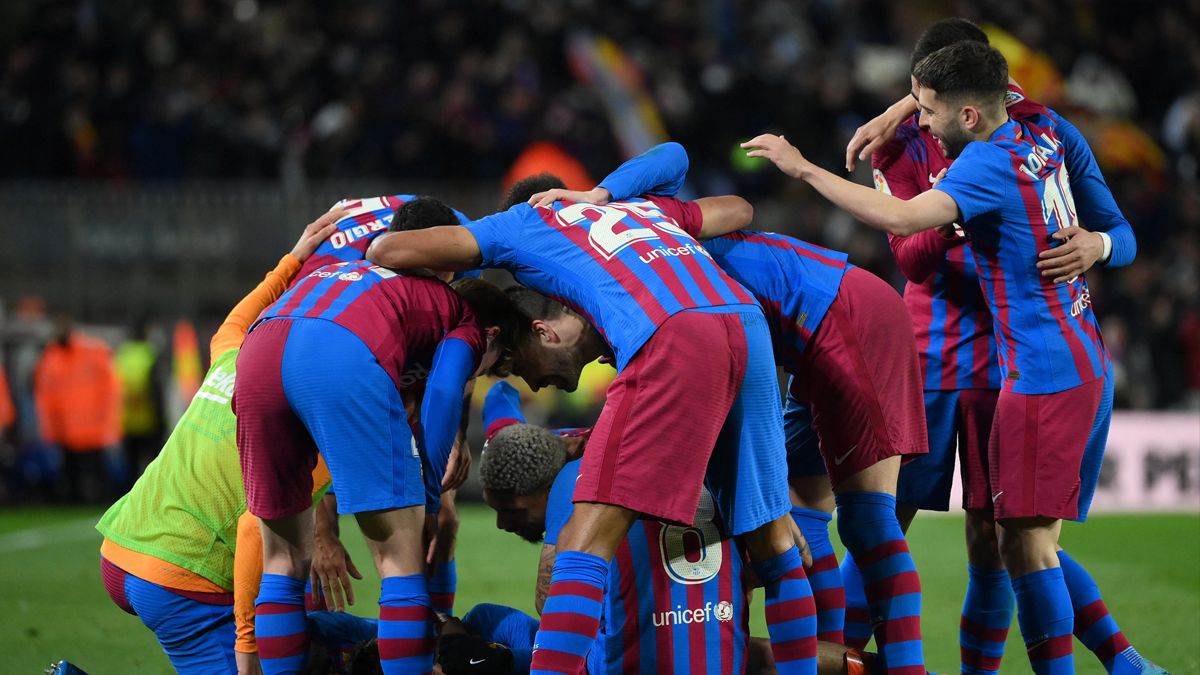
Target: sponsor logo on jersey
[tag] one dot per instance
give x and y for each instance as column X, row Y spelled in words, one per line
column 1011, row 97
column 218, row 386
column 413, row 375
column 722, row 611
column 881, row 183
column 350, row 276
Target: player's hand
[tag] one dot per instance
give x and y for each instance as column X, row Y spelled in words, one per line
column 777, row 149
column 596, row 195
column 331, row 572
column 871, row 136
column 458, row 467
column 1081, row 250
column 317, row 232
column 442, row 532
column 247, row 663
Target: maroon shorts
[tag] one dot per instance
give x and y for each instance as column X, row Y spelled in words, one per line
column 1036, row 450
column 702, row 388
column 976, row 411
column 862, row 379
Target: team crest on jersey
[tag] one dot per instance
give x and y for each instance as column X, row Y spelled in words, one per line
column 1011, row 97
column 724, row 611
column 350, row 276
column 881, row 183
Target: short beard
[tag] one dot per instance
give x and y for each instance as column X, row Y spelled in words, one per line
column 956, row 141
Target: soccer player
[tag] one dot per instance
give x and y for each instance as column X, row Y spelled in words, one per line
column 958, row 354
column 695, row 388
column 169, row 544
column 677, row 596
column 1009, row 190
column 320, row 367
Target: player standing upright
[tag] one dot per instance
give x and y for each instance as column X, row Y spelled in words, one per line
column 695, row 379
column 1010, row 191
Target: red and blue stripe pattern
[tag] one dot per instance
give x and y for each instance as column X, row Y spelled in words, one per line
column 791, row 613
column 793, row 280
column 625, row 266
column 406, row 637
column 1046, row 618
column 279, row 626
column 571, row 615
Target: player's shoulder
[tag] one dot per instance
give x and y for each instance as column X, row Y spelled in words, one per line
column 905, row 143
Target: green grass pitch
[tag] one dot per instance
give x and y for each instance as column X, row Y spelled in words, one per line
column 53, row 605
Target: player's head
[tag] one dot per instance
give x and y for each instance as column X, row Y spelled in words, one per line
column 554, row 349
column 943, row 34
column 961, row 95
column 518, row 467
column 527, row 187
column 421, row 213
column 503, row 325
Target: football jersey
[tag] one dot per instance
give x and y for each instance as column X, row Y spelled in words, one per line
column 1013, row 192
column 793, row 280
column 401, row 318
column 366, row 218
column 624, row 266
column 951, row 322
column 675, row 599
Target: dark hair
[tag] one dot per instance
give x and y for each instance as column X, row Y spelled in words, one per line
column 421, row 213
column 529, row 186
column 533, row 305
column 943, row 34
column 493, row 307
column 965, row 71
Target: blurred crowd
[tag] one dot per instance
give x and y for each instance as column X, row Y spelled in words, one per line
column 292, row 91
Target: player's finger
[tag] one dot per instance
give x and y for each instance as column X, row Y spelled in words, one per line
column 1060, row 268
column 758, row 141
column 1056, row 252
column 1065, row 233
column 856, row 141
column 347, row 589
column 534, row 199
column 870, row 148
column 333, row 596
column 350, row 567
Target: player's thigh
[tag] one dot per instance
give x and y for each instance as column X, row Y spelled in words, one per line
column 197, row 637
column 1037, row 448
column 661, row 417
column 748, row 470
column 925, row 480
column 276, row 452
column 353, row 412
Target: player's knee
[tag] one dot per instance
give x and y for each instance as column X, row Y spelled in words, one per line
column 983, row 549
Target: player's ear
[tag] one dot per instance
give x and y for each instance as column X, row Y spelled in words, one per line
column 544, row 331
column 969, row 115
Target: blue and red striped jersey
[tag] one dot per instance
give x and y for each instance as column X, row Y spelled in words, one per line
column 793, row 280
column 401, row 318
column 676, row 600
column 366, row 218
column 951, row 321
column 624, row 266
column 1013, row 192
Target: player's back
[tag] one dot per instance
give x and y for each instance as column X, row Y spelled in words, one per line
column 625, row 266
column 1014, row 192
column 676, row 599
column 401, row 318
column 793, row 280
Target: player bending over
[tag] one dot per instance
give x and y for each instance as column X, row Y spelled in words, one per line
column 678, row 596
column 325, row 368
column 1010, row 191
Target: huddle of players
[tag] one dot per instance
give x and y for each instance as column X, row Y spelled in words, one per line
column 619, row 273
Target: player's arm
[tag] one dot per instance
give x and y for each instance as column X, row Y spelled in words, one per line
column 247, row 577
column 233, row 330
column 868, row 138
column 657, row 171
column 332, row 567
column 449, row 248
column 917, row 255
column 1108, row 238
column 545, row 569
column 882, row 212
column 454, row 363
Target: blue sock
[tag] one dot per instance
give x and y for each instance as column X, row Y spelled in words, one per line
column 1094, row 626
column 858, row 615
column 406, row 641
column 1046, row 618
column 279, row 626
column 442, row 586
column 824, row 575
column 791, row 613
column 571, row 615
column 868, row 526
column 986, row 616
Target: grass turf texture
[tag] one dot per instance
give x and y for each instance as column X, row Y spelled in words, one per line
column 1148, row 568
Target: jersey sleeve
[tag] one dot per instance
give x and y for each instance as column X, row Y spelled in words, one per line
column 501, row 408
column 977, row 180
column 559, row 506
column 893, row 170
column 657, row 171
column 918, row 255
column 687, row 215
column 247, row 577
column 1094, row 202
column 233, row 330
column 491, row 232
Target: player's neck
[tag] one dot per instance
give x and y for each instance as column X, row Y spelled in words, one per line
column 988, row 127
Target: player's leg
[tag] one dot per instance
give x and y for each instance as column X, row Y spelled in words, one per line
column 277, row 456
column 988, row 604
column 748, row 478
column 812, row 506
column 863, row 381
column 443, row 575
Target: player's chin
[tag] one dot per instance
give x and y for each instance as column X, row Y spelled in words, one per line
column 532, row 536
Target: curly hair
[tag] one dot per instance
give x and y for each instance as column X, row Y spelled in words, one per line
column 520, row 459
